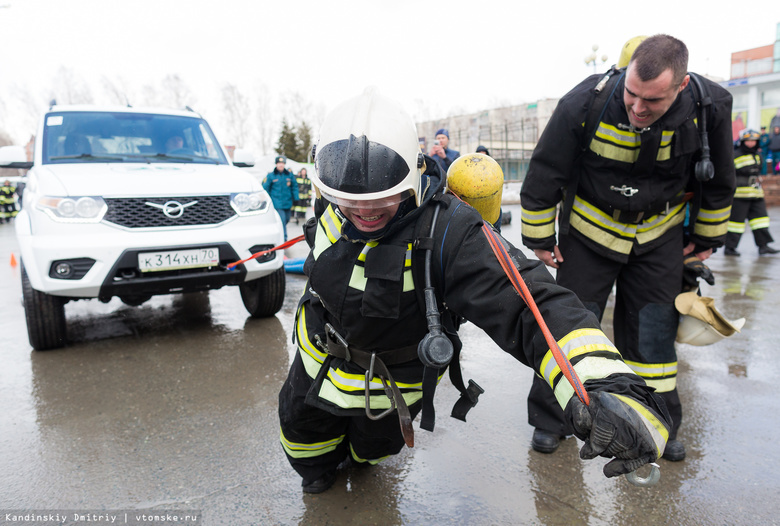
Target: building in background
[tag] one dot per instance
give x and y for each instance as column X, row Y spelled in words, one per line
column 755, row 86
column 509, row 134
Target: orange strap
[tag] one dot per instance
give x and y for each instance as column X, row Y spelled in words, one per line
column 284, row 245
column 514, row 276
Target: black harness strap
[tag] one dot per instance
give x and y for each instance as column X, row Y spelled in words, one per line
column 468, row 395
column 598, row 106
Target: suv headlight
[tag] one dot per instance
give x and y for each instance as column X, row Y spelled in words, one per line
column 73, row 209
column 250, row 203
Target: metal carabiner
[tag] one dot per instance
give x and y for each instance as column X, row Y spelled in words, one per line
column 388, row 392
column 645, row 482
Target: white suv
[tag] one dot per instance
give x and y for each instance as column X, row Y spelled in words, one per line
column 135, row 203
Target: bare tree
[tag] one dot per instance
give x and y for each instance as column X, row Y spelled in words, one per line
column 237, row 113
column 265, row 124
column 176, row 93
column 70, row 88
column 28, row 105
column 117, row 91
column 150, row 95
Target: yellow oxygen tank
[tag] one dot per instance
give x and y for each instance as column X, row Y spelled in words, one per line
column 628, row 50
column 478, row 179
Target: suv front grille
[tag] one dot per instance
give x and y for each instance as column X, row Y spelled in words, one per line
column 134, row 212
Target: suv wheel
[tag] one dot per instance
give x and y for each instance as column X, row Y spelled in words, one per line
column 45, row 317
column 264, row 297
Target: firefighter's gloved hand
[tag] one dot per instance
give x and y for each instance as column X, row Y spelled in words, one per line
column 695, row 268
column 619, row 426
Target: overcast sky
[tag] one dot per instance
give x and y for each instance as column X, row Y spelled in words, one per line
column 436, row 58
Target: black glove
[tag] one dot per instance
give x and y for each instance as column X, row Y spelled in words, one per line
column 693, row 269
column 624, row 420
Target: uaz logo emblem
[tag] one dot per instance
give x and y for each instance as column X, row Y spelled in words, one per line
column 172, row 209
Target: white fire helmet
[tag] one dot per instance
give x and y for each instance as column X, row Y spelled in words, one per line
column 368, row 150
column 701, row 323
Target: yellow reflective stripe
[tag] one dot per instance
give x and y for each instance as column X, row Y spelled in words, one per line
column 712, row 223
column 737, row 228
column 744, row 160
column 622, row 246
column 665, row 148
column 714, row 216
column 408, row 284
column 749, row 192
column 585, row 209
column 357, row 382
column 759, row 222
column 538, row 217
column 358, row 278
column 331, row 223
column 305, row 344
column 576, row 343
column 538, row 224
column 364, row 253
column 589, row 368
column 372, row 461
column 537, row 232
column 654, row 426
column 343, row 400
column 710, row 230
column 658, row 225
column 663, row 385
column 615, row 153
column 304, row 450
column 626, row 139
column 653, row 370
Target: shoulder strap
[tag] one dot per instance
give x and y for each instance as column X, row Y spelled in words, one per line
column 602, row 93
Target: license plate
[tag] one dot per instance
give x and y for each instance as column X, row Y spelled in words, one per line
column 178, row 259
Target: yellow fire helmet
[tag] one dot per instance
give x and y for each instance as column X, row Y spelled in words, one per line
column 628, row 50
column 478, row 179
column 701, row 323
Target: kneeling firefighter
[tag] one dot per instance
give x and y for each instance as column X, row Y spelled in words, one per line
column 395, row 263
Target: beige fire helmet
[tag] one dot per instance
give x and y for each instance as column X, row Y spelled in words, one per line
column 701, row 323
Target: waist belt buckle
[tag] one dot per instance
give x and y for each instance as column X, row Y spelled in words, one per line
column 627, row 217
column 340, row 339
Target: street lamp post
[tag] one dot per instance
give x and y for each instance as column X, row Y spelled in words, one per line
column 592, row 58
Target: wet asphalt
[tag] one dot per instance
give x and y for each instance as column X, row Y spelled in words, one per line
column 172, row 406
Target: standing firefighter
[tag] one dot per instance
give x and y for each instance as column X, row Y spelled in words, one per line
column 302, row 204
column 7, row 203
column 749, row 198
column 371, row 350
column 621, row 152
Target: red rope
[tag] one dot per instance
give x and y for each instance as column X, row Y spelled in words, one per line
column 284, row 245
column 517, row 281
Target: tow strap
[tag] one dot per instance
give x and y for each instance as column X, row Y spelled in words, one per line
column 284, row 245
column 517, row 281
column 563, row 362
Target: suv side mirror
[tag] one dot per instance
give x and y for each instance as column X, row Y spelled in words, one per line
column 14, row 157
column 243, row 158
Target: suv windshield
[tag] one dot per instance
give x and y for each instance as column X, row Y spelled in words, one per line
column 77, row 137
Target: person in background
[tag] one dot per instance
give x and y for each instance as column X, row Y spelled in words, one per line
column 441, row 151
column 482, row 149
column 763, row 150
column 7, row 204
column 774, row 149
column 302, row 204
column 626, row 179
column 283, row 189
column 749, row 198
